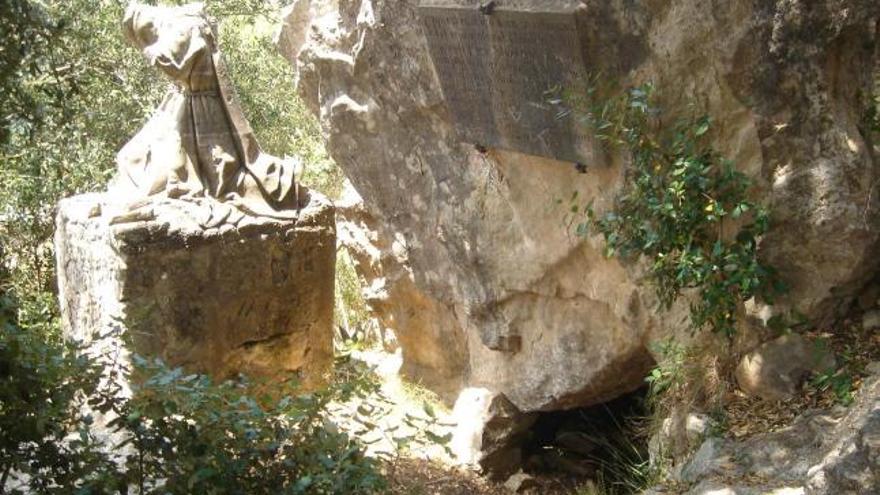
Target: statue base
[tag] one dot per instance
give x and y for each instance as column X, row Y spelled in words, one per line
column 254, row 296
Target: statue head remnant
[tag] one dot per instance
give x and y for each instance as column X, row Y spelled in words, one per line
column 197, row 145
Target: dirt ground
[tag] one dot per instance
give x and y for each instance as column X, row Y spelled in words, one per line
column 421, row 477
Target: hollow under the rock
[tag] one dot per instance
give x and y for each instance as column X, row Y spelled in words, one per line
column 606, row 443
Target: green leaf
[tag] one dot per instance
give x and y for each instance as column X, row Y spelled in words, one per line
column 444, row 439
column 702, row 127
column 200, row 475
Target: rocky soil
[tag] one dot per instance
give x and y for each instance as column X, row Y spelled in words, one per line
column 834, row 451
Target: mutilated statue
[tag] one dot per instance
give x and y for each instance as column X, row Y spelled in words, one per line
column 198, row 146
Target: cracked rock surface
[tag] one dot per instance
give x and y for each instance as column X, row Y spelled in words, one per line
column 255, row 296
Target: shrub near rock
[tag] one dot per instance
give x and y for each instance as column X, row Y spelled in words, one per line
column 177, row 434
column 684, row 208
column 191, row 436
column 44, row 439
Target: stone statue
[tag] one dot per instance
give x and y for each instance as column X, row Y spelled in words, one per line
column 198, row 146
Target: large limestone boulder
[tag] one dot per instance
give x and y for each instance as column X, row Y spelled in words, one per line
column 249, row 294
column 545, row 318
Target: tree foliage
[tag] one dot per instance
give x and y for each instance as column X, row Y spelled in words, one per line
column 68, row 108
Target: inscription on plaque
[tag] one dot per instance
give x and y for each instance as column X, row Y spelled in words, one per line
column 499, row 74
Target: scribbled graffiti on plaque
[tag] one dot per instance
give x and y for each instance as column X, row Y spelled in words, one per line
column 502, row 74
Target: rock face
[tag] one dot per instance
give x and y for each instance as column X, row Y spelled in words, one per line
column 490, row 431
column 534, row 313
column 254, row 297
column 777, row 368
column 433, row 353
column 823, row 452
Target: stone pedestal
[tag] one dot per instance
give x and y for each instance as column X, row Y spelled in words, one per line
column 248, row 294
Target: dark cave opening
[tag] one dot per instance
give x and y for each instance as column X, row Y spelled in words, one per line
column 606, row 444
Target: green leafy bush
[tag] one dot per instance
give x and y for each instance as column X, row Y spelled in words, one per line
column 669, row 373
column 177, row 433
column 46, row 439
column 67, row 425
column 683, row 207
column 191, row 436
column 838, row 382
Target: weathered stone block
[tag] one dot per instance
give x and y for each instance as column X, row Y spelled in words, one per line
column 253, row 296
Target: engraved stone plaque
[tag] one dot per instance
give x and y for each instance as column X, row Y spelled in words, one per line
column 500, row 74
column 460, row 50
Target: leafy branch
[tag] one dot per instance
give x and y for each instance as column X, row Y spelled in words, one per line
column 683, row 207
